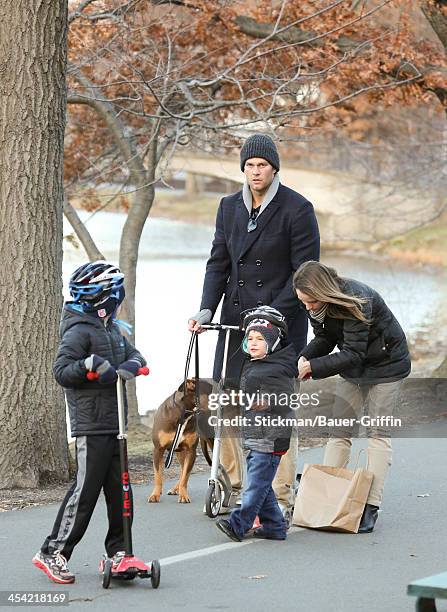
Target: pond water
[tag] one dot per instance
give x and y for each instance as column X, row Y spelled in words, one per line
column 169, row 285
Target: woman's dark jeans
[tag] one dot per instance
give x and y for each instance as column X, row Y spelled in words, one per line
column 258, row 498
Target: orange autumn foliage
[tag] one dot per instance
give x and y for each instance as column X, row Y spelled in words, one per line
column 196, row 73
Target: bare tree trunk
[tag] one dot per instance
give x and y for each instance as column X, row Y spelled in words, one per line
column 33, row 438
column 138, row 213
column 130, row 243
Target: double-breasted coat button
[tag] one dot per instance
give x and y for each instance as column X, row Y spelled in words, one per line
column 259, row 283
column 235, row 302
column 240, row 262
column 241, row 283
column 258, row 262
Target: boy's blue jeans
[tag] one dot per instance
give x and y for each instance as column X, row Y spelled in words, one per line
column 258, row 497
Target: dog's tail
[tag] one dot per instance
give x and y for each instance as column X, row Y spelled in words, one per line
column 205, row 450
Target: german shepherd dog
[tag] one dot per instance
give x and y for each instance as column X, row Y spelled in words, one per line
column 163, row 433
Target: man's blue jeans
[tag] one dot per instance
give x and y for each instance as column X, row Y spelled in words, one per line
column 258, row 497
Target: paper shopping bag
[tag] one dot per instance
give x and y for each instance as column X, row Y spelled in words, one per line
column 331, row 498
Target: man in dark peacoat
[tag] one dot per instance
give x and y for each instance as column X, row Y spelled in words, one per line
column 256, row 268
column 263, row 234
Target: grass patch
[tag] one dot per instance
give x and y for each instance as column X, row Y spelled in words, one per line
column 180, row 207
column 200, row 209
column 426, row 244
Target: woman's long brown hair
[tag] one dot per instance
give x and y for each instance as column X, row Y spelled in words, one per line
column 323, row 284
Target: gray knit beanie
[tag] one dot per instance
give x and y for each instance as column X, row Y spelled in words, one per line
column 260, row 145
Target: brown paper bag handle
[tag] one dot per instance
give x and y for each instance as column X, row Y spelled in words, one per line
column 345, row 465
column 358, row 459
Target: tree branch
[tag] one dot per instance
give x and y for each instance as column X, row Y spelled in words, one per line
column 107, row 113
column 121, row 10
column 293, row 36
column 93, row 253
column 296, row 36
column 78, row 12
column 436, row 19
column 316, row 38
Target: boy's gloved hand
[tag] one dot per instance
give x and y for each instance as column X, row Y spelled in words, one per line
column 92, row 362
column 107, row 373
column 102, row 367
column 129, row 369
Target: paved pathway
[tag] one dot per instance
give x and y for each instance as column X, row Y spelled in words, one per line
column 311, row 571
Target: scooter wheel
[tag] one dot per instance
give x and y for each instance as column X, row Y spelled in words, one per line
column 155, row 574
column 107, row 574
column 213, row 500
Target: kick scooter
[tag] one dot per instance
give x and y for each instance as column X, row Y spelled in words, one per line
column 219, row 493
column 129, row 567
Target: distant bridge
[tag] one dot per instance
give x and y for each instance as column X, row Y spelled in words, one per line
column 347, row 208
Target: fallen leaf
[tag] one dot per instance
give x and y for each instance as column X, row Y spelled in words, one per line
column 257, row 577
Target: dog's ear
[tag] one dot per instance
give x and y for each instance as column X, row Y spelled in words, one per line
column 190, row 386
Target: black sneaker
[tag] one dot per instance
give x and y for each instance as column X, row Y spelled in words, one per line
column 54, row 566
column 262, row 534
column 227, row 529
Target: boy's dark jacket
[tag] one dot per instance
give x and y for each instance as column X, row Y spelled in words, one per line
column 369, row 354
column 275, row 375
column 92, row 406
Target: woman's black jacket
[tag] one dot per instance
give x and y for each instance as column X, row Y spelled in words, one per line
column 368, row 353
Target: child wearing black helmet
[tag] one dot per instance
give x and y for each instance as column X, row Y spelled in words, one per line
column 268, row 379
column 91, row 341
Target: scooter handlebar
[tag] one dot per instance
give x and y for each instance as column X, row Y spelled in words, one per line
column 220, row 326
column 144, row 371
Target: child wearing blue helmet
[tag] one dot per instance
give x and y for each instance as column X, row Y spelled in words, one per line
column 91, row 341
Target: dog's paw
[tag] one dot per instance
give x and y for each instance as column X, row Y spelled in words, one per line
column 184, row 499
column 154, row 498
column 173, row 491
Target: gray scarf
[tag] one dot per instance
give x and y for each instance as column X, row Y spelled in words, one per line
column 319, row 315
column 270, row 194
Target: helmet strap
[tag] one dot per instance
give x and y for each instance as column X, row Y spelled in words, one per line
column 277, row 341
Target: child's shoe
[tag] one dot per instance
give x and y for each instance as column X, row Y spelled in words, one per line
column 54, row 566
column 227, row 529
column 117, row 558
column 261, row 533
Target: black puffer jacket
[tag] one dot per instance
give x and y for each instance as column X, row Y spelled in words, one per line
column 273, row 375
column 92, row 406
column 370, row 354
